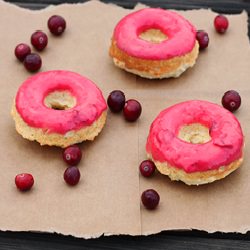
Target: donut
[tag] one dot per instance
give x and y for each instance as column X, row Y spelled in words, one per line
column 154, row 43
column 196, row 142
column 59, row 108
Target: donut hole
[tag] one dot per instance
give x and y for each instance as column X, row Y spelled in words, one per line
column 194, row 133
column 60, row 100
column 153, row 36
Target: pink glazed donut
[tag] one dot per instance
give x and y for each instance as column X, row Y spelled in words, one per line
column 154, row 43
column 196, row 142
column 59, row 108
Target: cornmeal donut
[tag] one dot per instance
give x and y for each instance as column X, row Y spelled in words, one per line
column 59, row 108
column 154, row 43
column 196, row 142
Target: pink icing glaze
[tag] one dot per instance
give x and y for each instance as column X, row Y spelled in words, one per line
column 31, row 94
column 224, row 147
column 181, row 34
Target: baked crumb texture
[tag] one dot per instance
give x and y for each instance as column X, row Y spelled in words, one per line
column 55, row 139
column 153, row 69
column 196, row 178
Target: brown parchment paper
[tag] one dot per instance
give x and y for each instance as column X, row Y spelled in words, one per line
column 107, row 200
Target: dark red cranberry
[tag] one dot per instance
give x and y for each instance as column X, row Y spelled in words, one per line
column 231, row 100
column 147, row 168
column 32, row 62
column 132, row 110
column 24, row 181
column 39, row 40
column 221, row 24
column 56, row 25
column 21, row 51
column 202, row 38
column 150, row 198
column 72, row 176
column 72, row 155
column 116, row 101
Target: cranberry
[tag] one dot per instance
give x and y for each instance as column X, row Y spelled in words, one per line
column 116, row 101
column 202, row 38
column 72, row 155
column 72, row 176
column 39, row 40
column 147, row 168
column 221, row 24
column 150, row 198
column 21, row 51
column 32, row 62
column 132, row 110
column 56, row 25
column 231, row 100
column 24, row 181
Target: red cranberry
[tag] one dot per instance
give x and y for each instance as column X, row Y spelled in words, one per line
column 132, row 110
column 32, row 62
column 231, row 100
column 221, row 24
column 150, row 199
column 72, row 176
column 116, row 101
column 39, row 40
column 24, row 181
column 56, row 25
column 202, row 38
column 72, row 155
column 21, row 51
column 147, row 168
